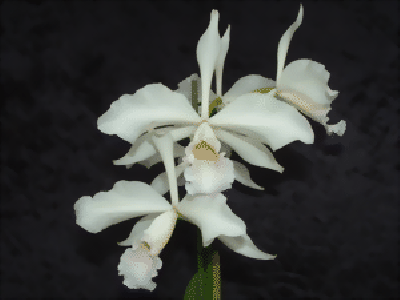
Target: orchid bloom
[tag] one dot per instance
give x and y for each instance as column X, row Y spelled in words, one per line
column 140, row 262
column 303, row 83
column 246, row 124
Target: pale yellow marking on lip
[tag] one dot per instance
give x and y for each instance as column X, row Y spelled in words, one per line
column 204, row 151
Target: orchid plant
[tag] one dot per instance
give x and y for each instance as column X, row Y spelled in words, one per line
column 256, row 112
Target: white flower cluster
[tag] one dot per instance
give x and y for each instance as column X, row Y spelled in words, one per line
column 255, row 112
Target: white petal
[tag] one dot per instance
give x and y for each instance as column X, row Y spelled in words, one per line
column 283, row 45
column 179, row 151
column 224, row 46
column 243, row 176
column 212, row 215
column 160, row 183
column 165, row 147
column 209, row 177
column 304, row 84
column 135, row 237
column 250, row 150
column 276, row 121
column 138, row 268
column 207, row 52
column 154, row 229
column 124, row 201
column 246, row 85
column 245, row 246
column 160, row 230
column 153, row 105
column 144, row 151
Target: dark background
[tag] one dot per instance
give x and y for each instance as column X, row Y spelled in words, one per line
column 332, row 216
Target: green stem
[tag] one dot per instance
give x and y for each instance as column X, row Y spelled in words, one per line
column 206, row 283
column 216, row 276
column 208, row 261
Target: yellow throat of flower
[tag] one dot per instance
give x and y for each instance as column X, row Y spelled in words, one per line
column 204, row 151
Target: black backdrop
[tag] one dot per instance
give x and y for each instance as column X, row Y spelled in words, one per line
column 331, row 216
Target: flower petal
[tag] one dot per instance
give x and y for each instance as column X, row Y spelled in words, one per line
column 165, row 147
column 154, row 229
column 153, row 105
column 224, row 46
column 135, row 237
column 250, row 150
column 275, row 121
column 243, row 176
column 207, row 51
column 158, row 233
column 245, row 85
column 283, row 45
column 304, row 84
column 212, row 215
column 138, row 268
column 160, row 183
column 209, row 177
column 144, row 151
column 245, row 246
column 124, row 201
column 179, row 151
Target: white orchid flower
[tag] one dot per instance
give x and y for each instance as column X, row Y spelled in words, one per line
column 303, row 83
column 139, row 264
column 246, row 124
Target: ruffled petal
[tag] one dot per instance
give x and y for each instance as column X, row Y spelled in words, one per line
column 245, row 246
column 207, row 51
column 250, row 150
column 242, row 175
column 160, row 183
column 124, row 201
column 138, row 268
column 277, row 122
column 283, row 45
column 209, row 170
column 224, row 46
column 212, row 215
column 245, row 85
column 304, row 84
column 158, row 233
column 209, row 177
column 154, row 105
